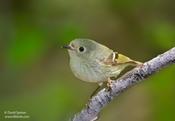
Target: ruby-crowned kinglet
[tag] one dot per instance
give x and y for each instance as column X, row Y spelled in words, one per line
column 94, row 62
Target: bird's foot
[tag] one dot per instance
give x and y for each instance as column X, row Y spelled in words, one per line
column 109, row 84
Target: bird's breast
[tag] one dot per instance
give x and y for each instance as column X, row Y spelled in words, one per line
column 88, row 71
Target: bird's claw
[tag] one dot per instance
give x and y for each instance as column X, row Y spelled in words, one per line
column 109, row 85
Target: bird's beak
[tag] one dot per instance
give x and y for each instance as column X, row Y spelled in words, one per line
column 68, row 47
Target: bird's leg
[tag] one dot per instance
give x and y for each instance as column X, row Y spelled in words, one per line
column 109, row 84
column 95, row 91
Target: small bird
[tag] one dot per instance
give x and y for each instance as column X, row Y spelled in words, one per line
column 93, row 62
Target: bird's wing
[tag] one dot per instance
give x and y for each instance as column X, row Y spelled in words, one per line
column 116, row 59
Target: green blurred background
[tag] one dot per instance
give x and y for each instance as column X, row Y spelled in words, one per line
column 34, row 71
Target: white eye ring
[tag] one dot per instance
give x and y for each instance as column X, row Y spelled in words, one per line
column 81, row 49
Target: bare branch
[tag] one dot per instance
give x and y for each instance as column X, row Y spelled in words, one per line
column 133, row 77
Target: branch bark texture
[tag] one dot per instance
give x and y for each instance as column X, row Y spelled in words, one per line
column 131, row 78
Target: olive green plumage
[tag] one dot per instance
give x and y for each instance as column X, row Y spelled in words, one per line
column 94, row 62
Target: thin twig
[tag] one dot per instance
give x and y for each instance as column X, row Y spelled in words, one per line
column 133, row 77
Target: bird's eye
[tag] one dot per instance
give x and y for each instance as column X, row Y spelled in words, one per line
column 81, row 49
